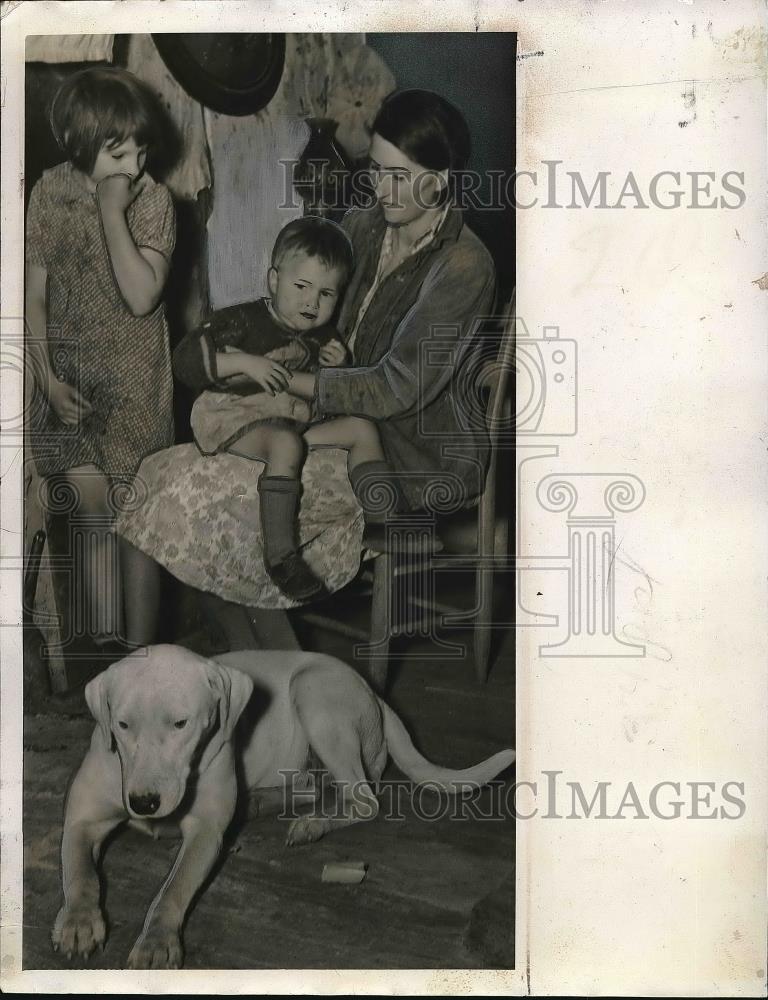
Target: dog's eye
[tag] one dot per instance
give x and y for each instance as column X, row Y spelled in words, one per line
column 180, row 724
column 123, row 725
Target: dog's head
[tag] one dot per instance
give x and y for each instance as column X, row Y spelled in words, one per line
column 165, row 710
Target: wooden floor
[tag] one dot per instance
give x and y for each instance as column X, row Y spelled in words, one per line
column 438, row 893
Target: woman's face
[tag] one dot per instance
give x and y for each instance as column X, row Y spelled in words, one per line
column 404, row 189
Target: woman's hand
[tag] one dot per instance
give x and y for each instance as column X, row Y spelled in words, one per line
column 117, row 192
column 67, row 403
column 303, row 385
column 333, row 354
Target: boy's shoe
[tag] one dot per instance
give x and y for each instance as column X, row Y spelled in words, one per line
column 296, row 580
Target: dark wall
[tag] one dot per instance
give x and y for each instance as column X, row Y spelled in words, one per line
column 476, row 72
column 41, row 151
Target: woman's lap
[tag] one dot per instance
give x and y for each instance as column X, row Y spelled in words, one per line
column 198, row 516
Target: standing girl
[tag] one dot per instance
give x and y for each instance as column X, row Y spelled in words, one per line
column 100, row 233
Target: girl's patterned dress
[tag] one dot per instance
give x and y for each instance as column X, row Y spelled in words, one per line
column 119, row 362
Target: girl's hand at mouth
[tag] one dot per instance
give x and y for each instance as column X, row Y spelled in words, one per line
column 118, row 191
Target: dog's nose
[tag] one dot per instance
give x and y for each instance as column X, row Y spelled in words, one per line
column 144, row 805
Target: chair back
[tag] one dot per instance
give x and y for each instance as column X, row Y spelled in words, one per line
column 492, row 526
column 497, row 378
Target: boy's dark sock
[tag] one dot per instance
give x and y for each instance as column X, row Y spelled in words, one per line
column 279, row 496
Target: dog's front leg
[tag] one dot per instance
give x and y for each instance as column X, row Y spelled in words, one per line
column 92, row 812
column 159, row 945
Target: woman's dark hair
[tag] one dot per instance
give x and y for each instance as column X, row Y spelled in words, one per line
column 426, row 127
column 315, row 237
column 103, row 105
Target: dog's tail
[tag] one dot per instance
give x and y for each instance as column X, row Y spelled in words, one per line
column 419, row 769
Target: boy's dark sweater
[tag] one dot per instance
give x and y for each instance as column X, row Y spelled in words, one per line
column 248, row 327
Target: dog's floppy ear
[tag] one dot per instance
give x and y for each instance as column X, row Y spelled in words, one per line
column 97, row 699
column 240, row 691
column 232, row 689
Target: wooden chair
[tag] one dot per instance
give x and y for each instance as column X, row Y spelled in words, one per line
column 476, row 538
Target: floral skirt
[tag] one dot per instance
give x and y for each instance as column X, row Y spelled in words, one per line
column 198, row 516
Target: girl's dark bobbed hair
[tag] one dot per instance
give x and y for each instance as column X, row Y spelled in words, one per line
column 426, row 127
column 102, row 105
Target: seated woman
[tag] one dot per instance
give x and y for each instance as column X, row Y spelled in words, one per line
column 422, row 280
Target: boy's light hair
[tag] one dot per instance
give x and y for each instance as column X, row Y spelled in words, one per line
column 316, row 237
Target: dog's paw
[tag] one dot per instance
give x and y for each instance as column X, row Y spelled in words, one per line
column 304, row 830
column 78, row 930
column 157, row 949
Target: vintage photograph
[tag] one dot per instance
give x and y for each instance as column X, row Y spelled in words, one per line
column 382, row 496
column 269, row 470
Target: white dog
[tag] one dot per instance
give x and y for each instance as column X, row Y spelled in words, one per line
column 164, row 748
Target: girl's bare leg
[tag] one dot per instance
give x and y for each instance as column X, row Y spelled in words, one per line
column 95, row 559
column 141, row 594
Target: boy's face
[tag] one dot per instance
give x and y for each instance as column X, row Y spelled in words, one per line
column 304, row 291
column 123, row 158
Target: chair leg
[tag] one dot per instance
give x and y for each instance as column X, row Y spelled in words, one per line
column 62, row 583
column 481, row 632
column 378, row 656
column 484, row 579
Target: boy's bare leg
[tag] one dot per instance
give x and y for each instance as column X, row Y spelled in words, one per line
column 355, row 435
column 279, row 448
